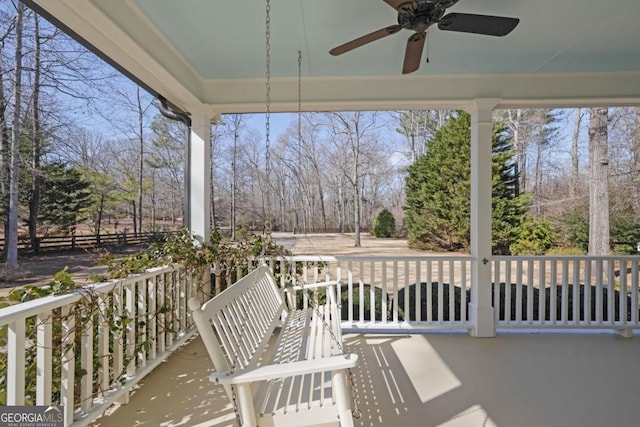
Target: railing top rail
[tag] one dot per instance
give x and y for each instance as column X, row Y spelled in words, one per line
column 566, row 257
column 337, row 258
column 52, row 302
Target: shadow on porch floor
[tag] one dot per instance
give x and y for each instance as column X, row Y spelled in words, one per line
column 438, row 379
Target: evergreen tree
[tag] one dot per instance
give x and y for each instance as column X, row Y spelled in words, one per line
column 66, row 197
column 439, row 191
column 385, row 224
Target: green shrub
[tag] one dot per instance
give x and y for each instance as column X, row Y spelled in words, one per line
column 625, row 235
column 576, row 228
column 565, row 250
column 384, row 225
column 535, row 237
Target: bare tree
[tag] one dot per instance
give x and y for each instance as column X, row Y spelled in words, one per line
column 636, row 158
column 575, row 159
column 598, row 180
column 130, row 116
column 314, row 155
column 354, row 134
column 36, row 138
column 235, row 123
column 11, row 232
column 5, row 152
column 418, row 127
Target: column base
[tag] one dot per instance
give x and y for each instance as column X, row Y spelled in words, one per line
column 483, row 320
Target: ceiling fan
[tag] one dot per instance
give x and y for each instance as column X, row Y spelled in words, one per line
column 419, row 15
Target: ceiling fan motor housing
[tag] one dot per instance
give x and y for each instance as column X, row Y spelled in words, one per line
column 421, row 14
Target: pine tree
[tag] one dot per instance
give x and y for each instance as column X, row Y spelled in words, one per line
column 439, row 191
column 66, row 197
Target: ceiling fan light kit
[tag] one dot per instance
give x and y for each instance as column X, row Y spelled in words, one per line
column 418, row 16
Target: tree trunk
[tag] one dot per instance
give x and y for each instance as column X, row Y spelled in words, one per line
column 341, row 207
column 598, row 179
column 521, row 153
column 356, row 195
column 537, row 187
column 140, row 177
column 36, row 140
column 4, row 161
column 636, row 160
column 11, row 235
column 135, row 217
column 356, row 213
column 237, row 121
column 100, row 212
column 322, row 208
column 575, row 160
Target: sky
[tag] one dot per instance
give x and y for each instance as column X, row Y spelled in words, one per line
column 278, row 123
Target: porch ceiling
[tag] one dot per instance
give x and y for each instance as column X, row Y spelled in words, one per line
column 567, row 52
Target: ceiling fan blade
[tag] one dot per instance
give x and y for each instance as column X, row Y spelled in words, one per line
column 371, row 37
column 403, row 6
column 478, row 24
column 413, row 53
column 396, row 3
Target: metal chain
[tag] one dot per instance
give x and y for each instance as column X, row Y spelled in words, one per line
column 299, row 97
column 267, row 156
column 356, row 413
column 236, row 409
column 268, row 89
column 234, row 365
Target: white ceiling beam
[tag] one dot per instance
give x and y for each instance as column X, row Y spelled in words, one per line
column 402, row 92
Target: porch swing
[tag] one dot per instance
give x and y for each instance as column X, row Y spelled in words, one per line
column 279, row 364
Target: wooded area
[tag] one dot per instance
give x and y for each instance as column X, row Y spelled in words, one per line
column 81, row 144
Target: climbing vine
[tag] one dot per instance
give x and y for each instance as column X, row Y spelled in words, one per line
column 230, row 259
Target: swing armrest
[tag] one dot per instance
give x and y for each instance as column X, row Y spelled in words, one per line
column 285, row 370
column 311, row 286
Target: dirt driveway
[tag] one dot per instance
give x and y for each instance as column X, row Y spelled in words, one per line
column 40, row 269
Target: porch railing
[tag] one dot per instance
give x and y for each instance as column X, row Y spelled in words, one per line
column 86, row 349
column 567, row 292
column 389, row 292
column 433, row 292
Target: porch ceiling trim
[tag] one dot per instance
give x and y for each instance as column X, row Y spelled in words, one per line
column 421, row 92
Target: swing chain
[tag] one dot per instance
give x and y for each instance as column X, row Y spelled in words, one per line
column 268, row 88
column 299, row 97
column 236, row 410
column 236, row 356
column 356, row 413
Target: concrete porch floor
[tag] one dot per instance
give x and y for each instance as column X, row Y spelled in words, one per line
column 437, row 379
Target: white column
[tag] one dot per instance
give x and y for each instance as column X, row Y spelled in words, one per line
column 198, row 177
column 481, row 307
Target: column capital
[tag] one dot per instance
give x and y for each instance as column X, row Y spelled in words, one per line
column 481, row 109
column 204, row 110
